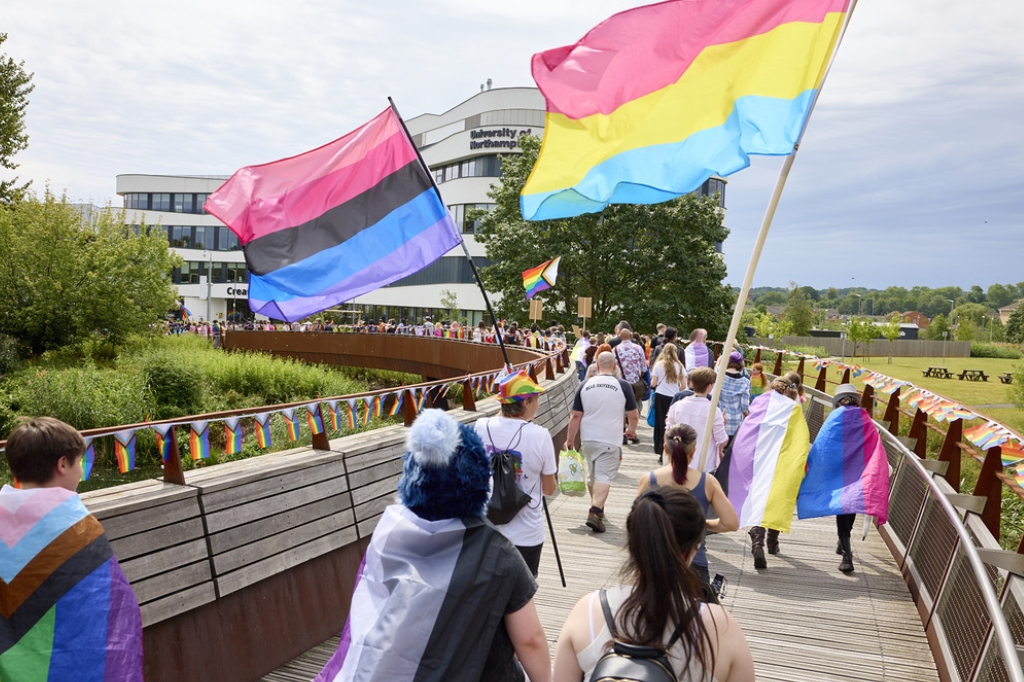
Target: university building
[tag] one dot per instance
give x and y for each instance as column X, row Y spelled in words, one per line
column 462, row 148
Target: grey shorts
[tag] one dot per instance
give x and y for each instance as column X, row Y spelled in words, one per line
column 602, row 461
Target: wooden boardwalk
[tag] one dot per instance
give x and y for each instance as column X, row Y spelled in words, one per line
column 804, row 619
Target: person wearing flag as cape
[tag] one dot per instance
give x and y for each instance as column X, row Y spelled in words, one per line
column 847, row 471
column 441, row 593
column 67, row 611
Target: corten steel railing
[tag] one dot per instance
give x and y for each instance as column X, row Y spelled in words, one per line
column 969, row 592
column 539, row 363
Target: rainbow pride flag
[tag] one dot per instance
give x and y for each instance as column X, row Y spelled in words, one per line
column 291, row 423
column 67, row 611
column 351, row 413
column 769, row 456
column 372, row 408
column 655, row 100
column 88, row 459
column 332, row 413
column 397, row 404
column 199, row 440
column 847, row 470
column 163, row 440
column 232, row 435
column 313, row 419
column 263, row 429
column 536, row 280
column 124, row 450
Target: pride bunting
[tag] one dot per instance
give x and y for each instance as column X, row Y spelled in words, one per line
column 124, row 450
column 232, row 435
column 199, row 440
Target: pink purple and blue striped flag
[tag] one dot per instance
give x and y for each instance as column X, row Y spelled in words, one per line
column 341, row 220
column 847, row 470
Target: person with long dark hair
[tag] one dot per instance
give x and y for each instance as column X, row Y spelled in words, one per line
column 660, row 602
column 680, row 443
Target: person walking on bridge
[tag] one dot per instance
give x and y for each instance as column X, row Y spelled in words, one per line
column 598, row 409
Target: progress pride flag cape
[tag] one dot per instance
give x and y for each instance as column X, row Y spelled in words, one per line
column 336, row 222
column 67, row 611
column 847, row 470
column 769, row 457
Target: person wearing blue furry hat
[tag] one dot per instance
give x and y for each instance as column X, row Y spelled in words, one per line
column 441, row 594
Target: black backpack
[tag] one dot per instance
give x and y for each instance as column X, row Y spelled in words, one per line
column 632, row 663
column 506, row 497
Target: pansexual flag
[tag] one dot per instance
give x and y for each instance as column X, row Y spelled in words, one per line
column 232, row 435
column 124, row 450
column 333, row 223
column 291, row 422
column 67, row 611
column 313, row 418
column 262, row 422
column 199, row 440
column 847, row 470
column 769, row 456
column 657, row 99
column 536, row 280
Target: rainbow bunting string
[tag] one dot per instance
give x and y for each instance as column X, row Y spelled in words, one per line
column 351, row 413
column 369, row 402
column 313, row 419
column 232, row 435
column 199, row 440
column 263, row 429
column 291, row 423
column 397, row 404
column 124, row 450
column 88, row 459
column 163, row 440
column 332, row 413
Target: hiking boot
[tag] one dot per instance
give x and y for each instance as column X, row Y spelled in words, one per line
column 839, row 547
column 757, row 534
column 773, row 541
column 595, row 522
column 759, row 561
column 846, row 565
column 635, row 440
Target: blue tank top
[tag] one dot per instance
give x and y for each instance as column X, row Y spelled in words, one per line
column 700, row 494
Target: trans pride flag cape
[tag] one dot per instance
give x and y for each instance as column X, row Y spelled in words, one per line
column 67, row 611
column 769, row 457
column 430, row 601
column 847, row 470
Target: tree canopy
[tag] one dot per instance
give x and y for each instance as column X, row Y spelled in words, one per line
column 63, row 278
column 645, row 264
column 15, row 87
column 798, row 311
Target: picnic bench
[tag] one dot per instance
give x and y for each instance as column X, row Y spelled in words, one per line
column 1006, row 378
column 972, row 375
column 937, row 372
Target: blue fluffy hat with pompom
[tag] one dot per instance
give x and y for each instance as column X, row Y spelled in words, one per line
column 446, row 473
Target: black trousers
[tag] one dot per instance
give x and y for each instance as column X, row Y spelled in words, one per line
column 660, row 407
column 844, row 524
column 532, row 557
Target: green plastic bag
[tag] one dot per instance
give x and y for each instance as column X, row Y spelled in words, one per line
column 572, row 479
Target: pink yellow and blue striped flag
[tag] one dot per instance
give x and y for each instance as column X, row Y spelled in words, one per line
column 291, row 423
column 769, row 457
column 847, row 470
column 89, row 458
column 199, row 439
column 232, row 435
column 263, row 429
column 341, row 220
column 163, row 440
column 352, row 413
column 332, row 413
column 124, row 450
column 314, row 419
column 536, row 280
column 655, row 100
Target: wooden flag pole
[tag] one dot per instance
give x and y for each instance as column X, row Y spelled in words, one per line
column 755, row 256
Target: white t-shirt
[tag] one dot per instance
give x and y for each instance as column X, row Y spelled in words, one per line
column 667, row 388
column 604, row 400
column 533, row 454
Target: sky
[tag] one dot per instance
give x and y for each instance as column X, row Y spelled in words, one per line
column 910, row 172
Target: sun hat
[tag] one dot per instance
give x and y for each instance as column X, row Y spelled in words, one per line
column 518, row 386
column 843, row 391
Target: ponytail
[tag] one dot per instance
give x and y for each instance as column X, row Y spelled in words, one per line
column 681, row 440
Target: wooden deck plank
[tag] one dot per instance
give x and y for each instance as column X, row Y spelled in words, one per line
column 805, row 621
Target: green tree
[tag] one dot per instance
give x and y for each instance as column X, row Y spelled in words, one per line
column 861, row 330
column 1015, row 325
column 1000, row 295
column 938, row 325
column 771, row 298
column 646, row 264
column 62, row 279
column 798, row 311
column 449, row 304
column 891, row 331
column 15, row 87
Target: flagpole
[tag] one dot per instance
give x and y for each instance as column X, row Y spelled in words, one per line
column 476, row 273
column 755, row 256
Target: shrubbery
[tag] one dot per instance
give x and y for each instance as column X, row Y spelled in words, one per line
column 995, row 350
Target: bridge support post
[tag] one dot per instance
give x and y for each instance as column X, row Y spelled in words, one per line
column 800, row 371
column 991, row 487
column 950, row 453
column 846, row 376
column 892, row 413
column 468, row 401
column 822, row 380
column 409, row 407
column 919, row 430
column 867, row 400
column 320, row 440
column 173, row 472
column 778, row 364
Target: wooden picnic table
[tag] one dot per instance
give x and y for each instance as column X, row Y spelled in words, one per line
column 973, row 375
column 937, row 372
column 1006, row 378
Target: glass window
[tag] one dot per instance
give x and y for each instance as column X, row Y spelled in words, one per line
column 451, row 172
column 468, row 169
column 227, row 240
column 218, row 273
column 200, row 242
column 161, row 202
column 200, row 200
column 176, row 235
column 186, row 237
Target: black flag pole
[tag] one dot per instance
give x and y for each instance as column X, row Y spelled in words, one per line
column 500, row 334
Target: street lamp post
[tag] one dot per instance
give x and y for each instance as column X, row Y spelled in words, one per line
column 209, row 283
column 860, row 305
column 944, row 335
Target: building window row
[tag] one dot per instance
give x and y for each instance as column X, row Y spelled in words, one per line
column 177, row 202
column 488, row 166
column 221, row 273
column 209, row 237
column 467, row 216
column 711, row 187
column 447, row 270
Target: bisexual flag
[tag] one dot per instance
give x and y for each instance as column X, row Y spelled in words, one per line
column 328, row 225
